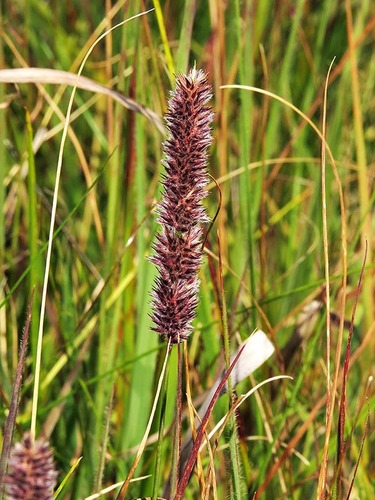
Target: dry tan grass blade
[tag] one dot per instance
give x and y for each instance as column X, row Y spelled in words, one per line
column 58, row 77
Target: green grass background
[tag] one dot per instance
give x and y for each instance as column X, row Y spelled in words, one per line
column 267, row 162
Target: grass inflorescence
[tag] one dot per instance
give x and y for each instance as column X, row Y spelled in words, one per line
column 178, row 248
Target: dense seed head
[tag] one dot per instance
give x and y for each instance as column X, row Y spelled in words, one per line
column 31, row 471
column 177, row 250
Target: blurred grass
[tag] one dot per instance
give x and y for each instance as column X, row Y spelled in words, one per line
column 97, row 332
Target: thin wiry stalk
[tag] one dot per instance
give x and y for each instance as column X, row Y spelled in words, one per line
column 343, row 400
column 200, row 434
column 52, row 225
column 13, row 408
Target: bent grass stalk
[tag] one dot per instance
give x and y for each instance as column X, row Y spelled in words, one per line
column 325, row 147
column 330, row 403
column 52, row 225
column 220, row 426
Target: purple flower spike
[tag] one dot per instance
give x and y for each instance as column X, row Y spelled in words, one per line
column 31, row 471
column 178, row 247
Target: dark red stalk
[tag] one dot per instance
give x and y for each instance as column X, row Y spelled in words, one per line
column 200, row 434
column 13, row 409
column 342, row 409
